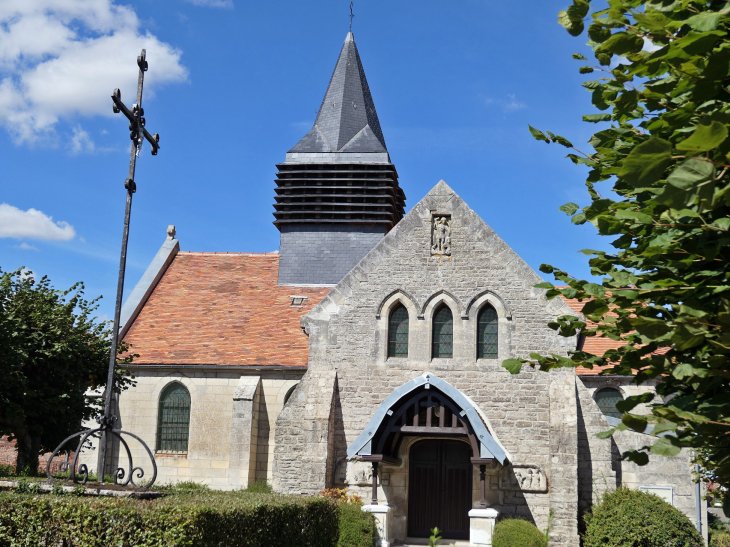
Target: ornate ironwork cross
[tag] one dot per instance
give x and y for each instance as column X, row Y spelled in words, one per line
column 138, row 134
column 351, row 16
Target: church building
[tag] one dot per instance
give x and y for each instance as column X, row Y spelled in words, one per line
column 367, row 354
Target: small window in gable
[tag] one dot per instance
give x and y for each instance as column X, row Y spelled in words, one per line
column 398, row 332
column 606, row 400
column 443, row 333
column 487, row 333
column 173, row 419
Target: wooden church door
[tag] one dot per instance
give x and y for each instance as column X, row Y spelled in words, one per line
column 439, row 490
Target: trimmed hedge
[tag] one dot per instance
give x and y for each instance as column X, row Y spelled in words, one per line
column 209, row 519
column 357, row 528
column 517, row 532
column 632, row 518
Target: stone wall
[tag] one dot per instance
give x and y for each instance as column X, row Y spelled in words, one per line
column 531, row 414
column 232, row 424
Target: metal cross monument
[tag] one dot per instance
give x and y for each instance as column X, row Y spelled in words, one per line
column 138, row 134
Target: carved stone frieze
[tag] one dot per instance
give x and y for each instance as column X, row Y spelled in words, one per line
column 523, row 478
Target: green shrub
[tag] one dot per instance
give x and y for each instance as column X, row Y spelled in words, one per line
column 517, row 532
column 259, row 487
column 189, row 487
column 357, row 528
column 7, row 471
column 631, row 518
column 719, row 539
column 203, row 519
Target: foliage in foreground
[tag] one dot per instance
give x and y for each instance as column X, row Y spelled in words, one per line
column 512, row 532
column 664, row 86
column 52, row 352
column 632, row 518
column 357, row 528
column 201, row 519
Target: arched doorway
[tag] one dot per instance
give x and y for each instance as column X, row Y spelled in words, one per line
column 440, row 488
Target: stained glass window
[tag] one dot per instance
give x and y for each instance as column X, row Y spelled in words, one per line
column 398, row 332
column 487, row 335
column 443, row 333
column 606, row 400
column 173, row 420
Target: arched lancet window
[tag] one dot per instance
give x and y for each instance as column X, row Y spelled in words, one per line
column 487, row 333
column 398, row 332
column 289, row 393
column 173, row 419
column 606, row 400
column 443, row 332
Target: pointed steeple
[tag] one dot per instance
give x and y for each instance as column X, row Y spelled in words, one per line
column 347, row 121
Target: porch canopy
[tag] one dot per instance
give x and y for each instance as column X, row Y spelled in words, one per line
column 426, row 406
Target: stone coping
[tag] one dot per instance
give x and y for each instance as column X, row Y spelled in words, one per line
column 46, row 488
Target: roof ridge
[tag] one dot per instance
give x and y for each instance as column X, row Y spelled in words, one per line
column 227, row 253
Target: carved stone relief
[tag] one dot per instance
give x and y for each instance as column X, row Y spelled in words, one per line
column 523, row 478
column 359, row 473
column 441, row 235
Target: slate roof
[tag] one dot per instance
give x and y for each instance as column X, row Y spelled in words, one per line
column 347, row 120
column 223, row 309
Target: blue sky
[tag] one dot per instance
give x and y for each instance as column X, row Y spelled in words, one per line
column 233, row 85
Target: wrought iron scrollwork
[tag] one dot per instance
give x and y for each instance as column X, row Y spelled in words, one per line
column 122, row 476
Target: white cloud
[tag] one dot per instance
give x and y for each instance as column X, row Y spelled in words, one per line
column 62, row 59
column 81, row 141
column 26, row 247
column 211, row 3
column 32, row 224
column 510, row 104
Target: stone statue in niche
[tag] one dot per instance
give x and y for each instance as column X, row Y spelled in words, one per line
column 441, row 236
column 523, row 478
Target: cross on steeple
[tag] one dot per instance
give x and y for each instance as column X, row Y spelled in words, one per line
column 351, row 16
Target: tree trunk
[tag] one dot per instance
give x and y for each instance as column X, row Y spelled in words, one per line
column 28, row 447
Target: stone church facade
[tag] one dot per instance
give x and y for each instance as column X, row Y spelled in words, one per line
column 367, row 354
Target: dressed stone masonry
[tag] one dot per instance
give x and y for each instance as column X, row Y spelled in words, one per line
column 533, row 415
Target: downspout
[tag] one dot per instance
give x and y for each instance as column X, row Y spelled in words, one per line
column 698, row 496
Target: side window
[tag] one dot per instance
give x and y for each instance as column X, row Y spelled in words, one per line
column 443, row 333
column 606, row 400
column 487, row 333
column 398, row 332
column 173, row 419
column 289, row 393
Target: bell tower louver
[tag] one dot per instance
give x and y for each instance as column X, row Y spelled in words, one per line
column 337, row 193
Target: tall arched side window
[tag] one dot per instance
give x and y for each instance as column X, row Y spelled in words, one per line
column 443, row 332
column 398, row 332
column 487, row 333
column 606, row 400
column 173, row 419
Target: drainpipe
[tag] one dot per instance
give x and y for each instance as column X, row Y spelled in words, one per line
column 698, row 495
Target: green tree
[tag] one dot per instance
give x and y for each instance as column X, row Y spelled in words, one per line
column 52, row 351
column 664, row 68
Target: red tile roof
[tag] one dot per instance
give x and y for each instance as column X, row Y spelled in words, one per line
column 593, row 344
column 227, row 309
column 223, row 309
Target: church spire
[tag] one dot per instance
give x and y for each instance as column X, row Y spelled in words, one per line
column 337, row 193
column 347, row 121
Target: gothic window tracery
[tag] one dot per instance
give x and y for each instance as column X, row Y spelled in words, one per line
column 487, row 333
column 443, row 333
column 606, row 400
column 173, row 419
column 398, row 332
